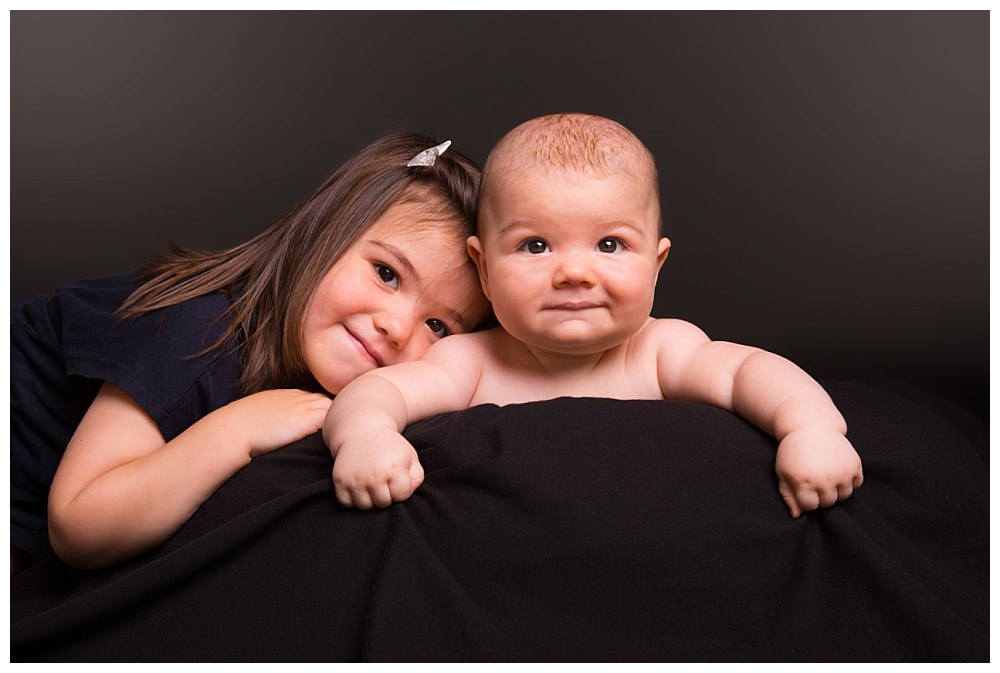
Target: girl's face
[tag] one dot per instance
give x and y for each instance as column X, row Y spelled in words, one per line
column 398, row 290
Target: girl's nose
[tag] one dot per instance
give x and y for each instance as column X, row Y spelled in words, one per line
column 573, row 268
column 396, row 324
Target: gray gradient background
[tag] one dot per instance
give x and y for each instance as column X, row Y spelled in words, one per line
column 825, row 174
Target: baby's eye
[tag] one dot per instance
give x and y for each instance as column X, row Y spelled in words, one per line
column 387, row 275
column 535, row 247
column 609, row 245
column 438, row 327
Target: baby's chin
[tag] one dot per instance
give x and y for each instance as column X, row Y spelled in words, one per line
column 576, row 345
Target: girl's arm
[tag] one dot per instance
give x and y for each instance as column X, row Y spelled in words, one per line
column 816, row 464
column 120, row 489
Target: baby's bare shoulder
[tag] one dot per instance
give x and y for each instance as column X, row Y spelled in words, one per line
column 466, row 345
column 670, row 333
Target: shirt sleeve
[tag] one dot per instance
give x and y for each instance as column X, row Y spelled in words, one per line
column 156, row 358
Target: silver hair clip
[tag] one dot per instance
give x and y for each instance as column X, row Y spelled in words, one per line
column 428, row 157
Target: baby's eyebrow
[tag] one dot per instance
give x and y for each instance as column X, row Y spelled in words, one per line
column 526, row 224
column 513, row 225
column 631, row 225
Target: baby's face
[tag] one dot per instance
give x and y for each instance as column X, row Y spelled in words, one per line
column 569, row 260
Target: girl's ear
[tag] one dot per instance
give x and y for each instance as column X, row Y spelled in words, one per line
column 478, row 255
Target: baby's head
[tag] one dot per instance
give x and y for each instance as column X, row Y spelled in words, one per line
column 583, row 146
column 568, row 245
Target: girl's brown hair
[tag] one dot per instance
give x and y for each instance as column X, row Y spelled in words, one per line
column 271, row 278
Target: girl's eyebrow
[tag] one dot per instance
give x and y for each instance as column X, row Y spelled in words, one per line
column 400, row 258
column 411, row 271
column 458, row 319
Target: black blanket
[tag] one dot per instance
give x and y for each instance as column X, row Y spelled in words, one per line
column 573, row 529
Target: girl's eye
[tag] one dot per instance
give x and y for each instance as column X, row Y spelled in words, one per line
column 535, row 247
column 438, row 327
column 609, row 245
column 387, row 275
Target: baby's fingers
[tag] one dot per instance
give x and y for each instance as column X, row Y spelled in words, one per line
column 343, row 495
column 416, row 474
column 381, row 495
column 828, row 497
column 792, row 505
column 399, row 488
column 353, row 497
column 803, row 500
column 361, row 498
column 791, row 498
column 845, row 491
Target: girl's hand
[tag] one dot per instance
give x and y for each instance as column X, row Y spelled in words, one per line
column 381, row 469
column 121, row 489
column 271, row 419
column 816, row 468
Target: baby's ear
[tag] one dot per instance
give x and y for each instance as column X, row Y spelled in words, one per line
column 662, row 250
column 478, row 255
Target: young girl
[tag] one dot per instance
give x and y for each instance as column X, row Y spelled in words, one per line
column 148, row 391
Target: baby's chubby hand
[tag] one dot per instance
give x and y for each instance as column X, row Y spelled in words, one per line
column 816, row 468
column 377, row 471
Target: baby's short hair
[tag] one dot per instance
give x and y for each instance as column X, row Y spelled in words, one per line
column 575, row 142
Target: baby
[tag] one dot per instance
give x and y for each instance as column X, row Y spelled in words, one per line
column 568, row 251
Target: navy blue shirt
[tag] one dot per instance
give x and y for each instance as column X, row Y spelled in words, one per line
column 63, row 347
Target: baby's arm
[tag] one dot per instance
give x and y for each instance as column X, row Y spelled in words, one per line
column 374, row 465
column 120, row 489
column 816, row 464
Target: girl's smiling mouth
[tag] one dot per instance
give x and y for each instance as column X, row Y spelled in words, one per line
column 367, row 351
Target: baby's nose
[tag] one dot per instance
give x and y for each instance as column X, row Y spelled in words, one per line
column 573, row 268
